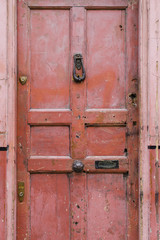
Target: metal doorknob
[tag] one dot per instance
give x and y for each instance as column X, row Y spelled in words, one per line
column 77, row 166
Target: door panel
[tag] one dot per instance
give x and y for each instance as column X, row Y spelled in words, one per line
column 94, row 121
column 47, row 208
column 105, row 141
column 106, row 59
column 43, row 138
column 49, row 58
column 107, row 220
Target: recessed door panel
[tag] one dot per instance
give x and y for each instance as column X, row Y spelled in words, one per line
column 49, row 141
column 106, row 59
column 47, row 208
column 106, row 141
column 49, row 58
column 108, row 193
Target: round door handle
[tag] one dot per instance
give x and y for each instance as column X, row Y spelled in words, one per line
column 77, row 166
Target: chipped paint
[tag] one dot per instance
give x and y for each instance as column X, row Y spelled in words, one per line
column 132, row 3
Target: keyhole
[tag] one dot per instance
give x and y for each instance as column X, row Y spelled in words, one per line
column 133, row 97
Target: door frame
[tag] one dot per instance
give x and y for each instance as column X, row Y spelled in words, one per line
column 144, row 164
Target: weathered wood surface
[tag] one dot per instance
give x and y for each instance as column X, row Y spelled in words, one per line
column 149, row 59
column 3, row 72
column 149, row 75
column 60, row 121
column 154, row 114
column 3, row 112
column 8, row 119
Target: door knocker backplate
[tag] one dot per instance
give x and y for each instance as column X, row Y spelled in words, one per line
column 78, row 64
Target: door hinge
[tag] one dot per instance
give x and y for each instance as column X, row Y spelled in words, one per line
column 21, row 191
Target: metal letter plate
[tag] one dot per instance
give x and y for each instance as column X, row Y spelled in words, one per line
column 107, row 164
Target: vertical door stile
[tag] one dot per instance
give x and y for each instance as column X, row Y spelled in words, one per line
column 78, row 90
column 28, row 132
column 78, row 138
column 23, row 219
column 132, row 118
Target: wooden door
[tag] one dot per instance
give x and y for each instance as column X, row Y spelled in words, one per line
column 94, row 121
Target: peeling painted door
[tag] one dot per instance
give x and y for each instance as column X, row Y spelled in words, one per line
column 65, row 126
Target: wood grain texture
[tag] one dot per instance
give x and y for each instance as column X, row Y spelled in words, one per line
column 108, row 193
column 47, row 208
column 64, row 164
column 3, row 74
column 3, row 48
column 120, row 4
column 106, row 141
column 50, row 141
column 49, row 63
column 144, row 162
column 106, row 70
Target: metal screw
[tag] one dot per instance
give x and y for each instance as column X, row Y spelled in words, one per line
column 21, row 194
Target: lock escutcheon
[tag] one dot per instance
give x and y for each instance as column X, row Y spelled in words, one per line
column 21, row 191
